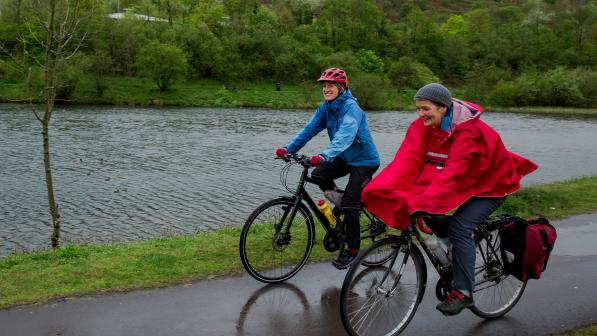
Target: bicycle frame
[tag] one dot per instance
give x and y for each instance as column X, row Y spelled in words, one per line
column 301, row 195
column 443, row 270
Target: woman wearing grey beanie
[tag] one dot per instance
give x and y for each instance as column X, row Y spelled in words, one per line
column 450, row 159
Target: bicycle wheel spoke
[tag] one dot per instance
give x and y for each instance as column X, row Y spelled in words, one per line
column 377, row 300
column 495, row 292
column 273, row 246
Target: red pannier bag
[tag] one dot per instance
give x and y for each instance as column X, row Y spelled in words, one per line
column 525, row 247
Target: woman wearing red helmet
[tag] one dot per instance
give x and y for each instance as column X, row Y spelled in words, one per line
column 351, row 152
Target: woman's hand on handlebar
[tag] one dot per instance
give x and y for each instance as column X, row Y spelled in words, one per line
column 305, row 161
column 281, row 152
column 316, row 160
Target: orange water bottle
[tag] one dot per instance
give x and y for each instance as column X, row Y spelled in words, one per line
column 326, row 210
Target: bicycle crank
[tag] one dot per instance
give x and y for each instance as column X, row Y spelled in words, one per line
column 331, row 243
column 443, row 287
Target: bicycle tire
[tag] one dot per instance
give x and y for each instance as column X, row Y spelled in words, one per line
column 495, row 291
column 375, row 260
column 366, row 307
column 268, row 255
column 370, row 230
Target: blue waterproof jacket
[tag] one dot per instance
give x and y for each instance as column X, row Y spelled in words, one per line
column 348, row 131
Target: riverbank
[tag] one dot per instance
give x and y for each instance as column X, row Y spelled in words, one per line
column 202, row 93
column 79, row 269
column 211, row 93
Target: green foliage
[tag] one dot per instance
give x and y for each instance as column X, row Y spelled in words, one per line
column 469, row 44
column 370, row 90
column 408, row 73
column 587, row 84
column 504, row 94
column 163, row 63
column 369, row 62
column 99, row 66
column 557, row 87
column 70, row 73
column 455, row 25
column 11, row 71
column 225, row 98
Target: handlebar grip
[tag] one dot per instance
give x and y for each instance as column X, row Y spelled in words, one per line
column 422, row 227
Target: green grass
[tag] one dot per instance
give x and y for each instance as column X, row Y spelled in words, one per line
column 554, row 200
column 78, row 269
column 555, row 111
column 212, row 93
column 585, row 331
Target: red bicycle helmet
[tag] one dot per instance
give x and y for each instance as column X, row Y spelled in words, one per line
column 334, row 75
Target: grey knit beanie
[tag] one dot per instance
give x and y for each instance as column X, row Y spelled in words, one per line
column 436, row 93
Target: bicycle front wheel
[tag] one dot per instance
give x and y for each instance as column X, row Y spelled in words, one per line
column 375, row 230
column 382, row 300
column 495, row 292
column 273, row 246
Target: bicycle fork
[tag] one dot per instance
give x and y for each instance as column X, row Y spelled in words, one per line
column 290, row 213
column 392, row 291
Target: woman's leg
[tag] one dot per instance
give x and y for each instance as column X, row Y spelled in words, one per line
column 460, row 231
column 351, row 203
column 325, row 173
column 351, row 207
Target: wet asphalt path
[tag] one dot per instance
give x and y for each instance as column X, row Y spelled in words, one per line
column 565, row 298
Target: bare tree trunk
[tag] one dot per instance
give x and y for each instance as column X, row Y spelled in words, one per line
column 62, row 21
column 170, row 11
column 50, row 186
column 49, row 95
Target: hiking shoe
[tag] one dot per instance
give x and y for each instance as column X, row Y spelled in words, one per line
column 334, row 196
column 454, row 303
column 345, row 259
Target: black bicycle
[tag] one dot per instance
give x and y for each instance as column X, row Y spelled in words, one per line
column 277, row 238
column 382, row 300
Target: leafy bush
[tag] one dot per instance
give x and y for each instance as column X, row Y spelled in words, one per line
column 344, row 59
column 11, row 71
column 557, row 87
column 408, row 73
column 225, row 98
column 504, row 94
column 370, row 90
column 70, row 73
column 163, row 63
column 587, row 84
column 369, row 62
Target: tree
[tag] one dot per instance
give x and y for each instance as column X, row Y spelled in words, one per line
column 57, row 29
column 163, row 63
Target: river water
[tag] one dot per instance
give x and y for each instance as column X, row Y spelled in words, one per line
column 126, row 173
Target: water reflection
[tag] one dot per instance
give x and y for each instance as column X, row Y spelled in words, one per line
column 125, row 173
column 275, row 308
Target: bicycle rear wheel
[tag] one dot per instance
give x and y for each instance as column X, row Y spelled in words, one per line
column 495, row 292
column 273, row 247
column 382, row 300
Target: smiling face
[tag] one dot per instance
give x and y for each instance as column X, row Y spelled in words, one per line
column 430, row 113
column 330, row 91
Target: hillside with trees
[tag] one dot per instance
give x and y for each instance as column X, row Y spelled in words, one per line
column 502, row 53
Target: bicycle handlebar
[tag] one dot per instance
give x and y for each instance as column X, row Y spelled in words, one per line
column 303, row 160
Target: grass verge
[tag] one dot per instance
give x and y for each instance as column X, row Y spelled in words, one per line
column 78, row 269
column 585, row 331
